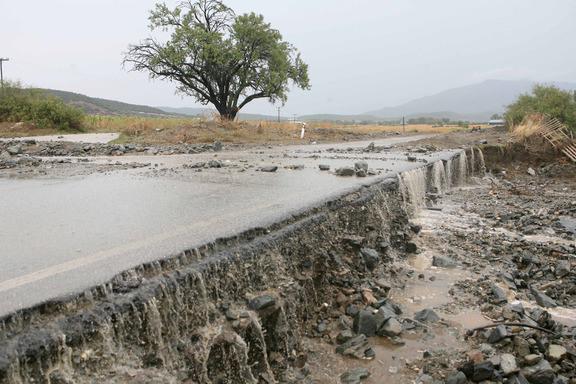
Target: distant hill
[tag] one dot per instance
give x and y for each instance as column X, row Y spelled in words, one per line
column 96, row 106
column 472, row 102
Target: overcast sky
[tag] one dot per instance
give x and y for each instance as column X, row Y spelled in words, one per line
column 363, row 54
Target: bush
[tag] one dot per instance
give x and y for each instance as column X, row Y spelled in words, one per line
column 37, row 108
column 548, row 100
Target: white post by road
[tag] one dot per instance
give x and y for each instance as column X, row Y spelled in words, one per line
column 303, row 131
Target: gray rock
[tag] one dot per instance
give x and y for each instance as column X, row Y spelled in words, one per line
column 355, row 347
column 15, row 149
column 443, row 262
column 361, row 173
column 482, row 371
column 345, row 171
column 354, row 376
column 522, row 346
column 498, row 294
column 214, row 164
column 391, row 328
column 518, row 379
column 532, row 359
column 261, row 302
column 270, row 168
column 425, row 379
column 543, row 299
column 541, row 373
column 371, row 258
column 361, row 166
column 497, row 334
column 344, row 336
column 562, row 268
column 508, row 364
column 426, row 316
column 457, row 378
column 366, row 322
column 531, row 172
column 324, row 167
column 556, row 352
column 217, row 146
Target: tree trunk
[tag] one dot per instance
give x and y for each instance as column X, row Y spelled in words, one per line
column 228, row 114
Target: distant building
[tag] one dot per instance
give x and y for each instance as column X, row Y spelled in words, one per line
column 497, row 123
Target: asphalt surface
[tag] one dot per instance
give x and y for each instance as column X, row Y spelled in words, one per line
column 61, row 236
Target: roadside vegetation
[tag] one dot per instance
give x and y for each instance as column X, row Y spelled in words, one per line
column 547, row 100
column 38, row 110
column 201, row 130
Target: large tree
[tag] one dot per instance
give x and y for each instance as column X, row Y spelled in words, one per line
column 219, row 57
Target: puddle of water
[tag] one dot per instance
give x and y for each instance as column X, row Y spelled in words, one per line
column 467, row 319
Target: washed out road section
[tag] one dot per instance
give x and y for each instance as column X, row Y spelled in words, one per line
column 61, row 236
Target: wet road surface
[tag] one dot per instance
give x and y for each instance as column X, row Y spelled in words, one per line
column 61, row 236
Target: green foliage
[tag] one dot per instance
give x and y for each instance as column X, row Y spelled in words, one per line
column 548, row 100
column 218, row 57
column 37, row 108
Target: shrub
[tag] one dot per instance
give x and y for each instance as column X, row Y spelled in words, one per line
column 37, row 108
column 548, row 100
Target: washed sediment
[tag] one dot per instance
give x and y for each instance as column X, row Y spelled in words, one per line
column 235, row 311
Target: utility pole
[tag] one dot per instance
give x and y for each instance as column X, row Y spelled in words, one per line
column 403, row 125
column 1, row 74
column 279, row 114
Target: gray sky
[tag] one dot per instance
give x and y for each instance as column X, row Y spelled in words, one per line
column 363, row 54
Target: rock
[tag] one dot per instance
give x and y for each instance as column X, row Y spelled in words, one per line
column 214, row 164
column 457, row 378
column 483, row 371
column 58, row 377
column 15, row 149
column 532, row 359
column 361, row 173
column 542, row 299
column 518, row 379
column 508, row 364
column 412, row 158
column 270, row 168
column 531, row 172
column 354, row 376
column 261, row 302
column 355, row 347
column 324, row 167
column 556, row 352
column 497, row 334
column 367, row 322
column 425, row 379
column 562, row 268
column 371, row 258
column 344, row 336
column 411, row 247
column 522, row 346
column 426, row 316
column 541, row 373
column 498, row 294
column 391, row 328
column 217, row 146
column 345, row 171
column 443, row 262
column 361, row 166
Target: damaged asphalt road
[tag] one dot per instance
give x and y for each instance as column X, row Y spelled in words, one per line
column 86, row 219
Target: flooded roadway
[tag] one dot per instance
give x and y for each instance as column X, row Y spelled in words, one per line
column 61, row 236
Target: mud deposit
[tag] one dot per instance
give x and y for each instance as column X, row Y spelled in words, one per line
column 381, row 285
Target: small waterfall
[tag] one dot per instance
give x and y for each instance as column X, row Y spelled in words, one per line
column 481, row 162
column 439, row 181
column 449, row 173
column 413, row 189
column 472, row 162
column 462, row 168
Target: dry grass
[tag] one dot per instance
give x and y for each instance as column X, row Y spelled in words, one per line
column 196, row 130
column 526, row 130
column 158, row 130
